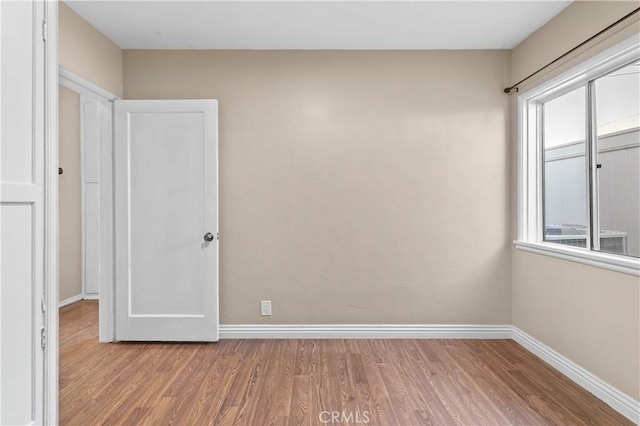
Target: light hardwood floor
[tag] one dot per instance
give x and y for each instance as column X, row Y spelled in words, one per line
column 264, row 382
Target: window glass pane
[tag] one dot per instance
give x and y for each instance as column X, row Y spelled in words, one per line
column 617, row 109
column 565, row 176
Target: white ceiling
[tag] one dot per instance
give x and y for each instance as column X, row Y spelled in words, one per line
column 317, row 24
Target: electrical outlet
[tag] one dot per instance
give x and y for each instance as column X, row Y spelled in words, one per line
column 265, row 308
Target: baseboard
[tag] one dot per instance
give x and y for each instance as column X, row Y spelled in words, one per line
column 363, row 331
column 91, row 297
column 70, row 300
column 619, row 401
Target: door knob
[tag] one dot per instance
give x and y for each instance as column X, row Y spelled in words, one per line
column 208, row 236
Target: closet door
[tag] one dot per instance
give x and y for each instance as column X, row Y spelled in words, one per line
column 22, row 308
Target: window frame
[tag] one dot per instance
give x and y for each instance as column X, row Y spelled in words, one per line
column 530, row 200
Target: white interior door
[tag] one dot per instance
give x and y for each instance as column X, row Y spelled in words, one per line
column 166, row 218
column 21, row 214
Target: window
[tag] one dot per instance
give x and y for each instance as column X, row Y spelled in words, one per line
column 579, row 163
column 564, row 176
column 616, row 107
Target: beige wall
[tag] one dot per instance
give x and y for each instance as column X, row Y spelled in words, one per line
column 87, row 52
column 69, row 186
column 355, row 187
column 588, row 314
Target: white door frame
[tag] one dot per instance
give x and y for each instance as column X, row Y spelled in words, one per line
column 50, row 128
column 89, row 90
column 70, row 80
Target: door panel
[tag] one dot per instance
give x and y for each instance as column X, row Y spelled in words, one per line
column 17, row 92
column 21, row 214
column 96, row 142
column 166, row 201
column 17, row 287
column 91, row 236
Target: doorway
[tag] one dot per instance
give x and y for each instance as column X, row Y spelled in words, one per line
column 86, row 193
column 159, row 170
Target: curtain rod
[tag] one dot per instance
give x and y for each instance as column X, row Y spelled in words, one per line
column 628, row 15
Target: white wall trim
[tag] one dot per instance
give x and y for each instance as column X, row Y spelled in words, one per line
column 0, row 225
column 364, row 331
column 616, row 399
column 69, row 301
column 625, row 265
column 73, row 81
column 51, row 246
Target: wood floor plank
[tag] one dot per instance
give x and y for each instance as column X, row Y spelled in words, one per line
column 185, row 385
column 226, row 416
column 251, row 395
column 416, row 372
column 242, row 371
column 303, row 382
column 275, row 394
column 208, row 404
column 478, row 397
column 299, row 405
column 503, row 397
column 379, row 396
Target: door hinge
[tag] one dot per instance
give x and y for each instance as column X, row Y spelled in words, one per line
column 44, row 31
column 217, row 235
column 43, row 338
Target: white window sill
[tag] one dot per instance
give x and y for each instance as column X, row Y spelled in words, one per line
column 626, row 265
